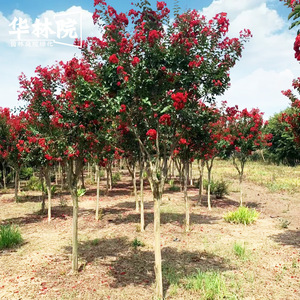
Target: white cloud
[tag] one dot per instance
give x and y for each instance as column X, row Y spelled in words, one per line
column 267, row 65
column 260, row 89
column 15, row 60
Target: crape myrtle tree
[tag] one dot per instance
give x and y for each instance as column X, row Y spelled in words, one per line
column 193, row 135
column 130, row 146
column 13, row 148
column 4, row 142
column 295, row 16
column 284, row 150
column 75, row 107
column 217, row 142
column 293, row 117
column 40, row 91
column 158, row 71
column 246, row 130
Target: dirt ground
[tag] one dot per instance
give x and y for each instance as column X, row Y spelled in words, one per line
column 111, row 268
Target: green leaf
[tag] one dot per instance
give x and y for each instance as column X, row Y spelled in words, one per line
column 294, row 24
column 146, row 101
column 294, row 12
column 167, row 108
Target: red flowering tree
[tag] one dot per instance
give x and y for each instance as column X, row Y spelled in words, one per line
column 295, row 16
column 13, row 149
column 157, row 74
column 43, row 117
column 5, row 143
column 69, row 106
column 218, row 140
column 246, row 131
column 293, row 117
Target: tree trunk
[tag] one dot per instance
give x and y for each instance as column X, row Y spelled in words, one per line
column 75, row 230
column 241, row 174
column 173, row 169
column 56, row 175
column 107, row 180
column 63, row 177
column 89, row 170
column 208, row 188
column 17, row 176
column 241, row 182
column 187, row 208
column 201, row 170
column 191, row 173
column 48, row 185
column 110, row 177
column 43, row 190
column 98, row 192
column 135, row 188
column 74, row 171
column 4, row 175
column 82, row 179
column 142, row 196
column 157, row 195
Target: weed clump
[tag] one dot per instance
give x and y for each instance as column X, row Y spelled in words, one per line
column 10, row 236
column 243, row 215
column 210, row 283
column 137, row 243
column 240, row 250
column 219, row 188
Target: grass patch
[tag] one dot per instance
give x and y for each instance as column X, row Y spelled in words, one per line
column 174, row 188
column 242, row 215
column 10, row 236
column 283, row 223
column 240, row 250
column 219, row 188
column 137, row 243
column 116, row 177
column 211, row 285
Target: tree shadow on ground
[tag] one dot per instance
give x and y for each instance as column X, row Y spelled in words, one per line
column 135, row 266
column 224, row 202
column 253, row 204
column 57, row 212
column 288, row 237
column 29, row 198
column 166, row 217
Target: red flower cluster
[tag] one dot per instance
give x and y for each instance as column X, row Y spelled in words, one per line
column 182, row 141
column 113, row 59
column 152, row 134
column 123, row 108
column 160, row 5
column 153, row 35
column 135, row 61
column 165, row 120
column 217, row 82
column 297, row 47
column 179, row 100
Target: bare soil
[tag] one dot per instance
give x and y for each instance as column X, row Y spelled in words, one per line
column 111, row 268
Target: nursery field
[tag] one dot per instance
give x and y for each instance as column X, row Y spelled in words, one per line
column 214, row 260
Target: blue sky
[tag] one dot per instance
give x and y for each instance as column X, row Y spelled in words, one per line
column 266, row 68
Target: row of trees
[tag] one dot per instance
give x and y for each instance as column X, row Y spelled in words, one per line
column 143, row 91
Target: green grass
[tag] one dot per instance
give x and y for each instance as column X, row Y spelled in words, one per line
column 137, row 243
column 275, row 178
column 10, row 236
column 116, row 177
column 240, row 250
column 210, row 284
column 174, row 188
column 219, row 188
column 242, row 215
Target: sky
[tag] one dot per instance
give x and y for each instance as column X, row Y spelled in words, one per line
column 266, row 68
